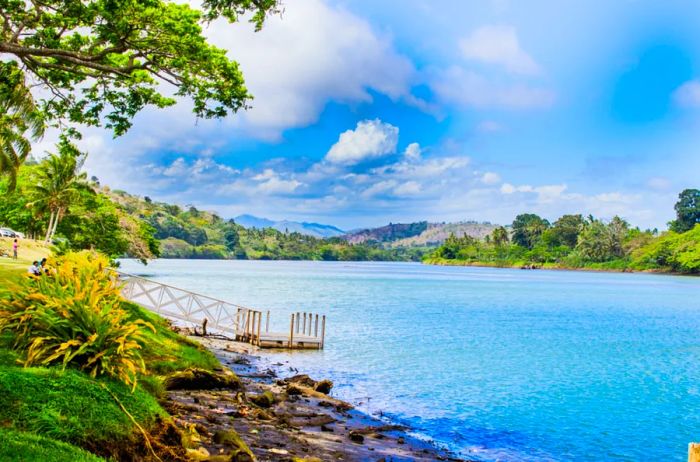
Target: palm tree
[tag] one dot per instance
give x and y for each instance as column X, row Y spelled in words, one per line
column 57, row 183
column 20, row 122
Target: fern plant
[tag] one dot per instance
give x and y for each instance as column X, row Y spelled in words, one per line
column 73, row 317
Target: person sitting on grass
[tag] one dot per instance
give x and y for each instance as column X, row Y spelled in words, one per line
column 34, row 269
column 42, row 264
column 15, row 247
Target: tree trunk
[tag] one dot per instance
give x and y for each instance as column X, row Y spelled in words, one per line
column 48, row 229
column 55, row 223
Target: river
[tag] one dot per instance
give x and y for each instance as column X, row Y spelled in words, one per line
column 499, row 364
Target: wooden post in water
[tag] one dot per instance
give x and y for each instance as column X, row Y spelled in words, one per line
column 297, row 318
column 694, row 452
column 323, row 332
column 267, row 322
column 259, row 324
column 316, row 327
column 303, row 329
column 291, row 332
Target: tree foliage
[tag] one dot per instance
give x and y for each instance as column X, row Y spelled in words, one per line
column 57, row 183
column 21, row 122
column 105, row 60
column 527, row 229
column 575, row 242
column 91, row 219
column 687, row 211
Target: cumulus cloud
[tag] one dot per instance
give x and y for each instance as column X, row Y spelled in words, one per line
column 467, row 88
column 498, row 45
column 371, row 139
column 413, row 151
column 311, row 54
column 490, row 178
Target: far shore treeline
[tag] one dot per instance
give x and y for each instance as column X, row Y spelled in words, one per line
column 52, row 200
column 578, row 242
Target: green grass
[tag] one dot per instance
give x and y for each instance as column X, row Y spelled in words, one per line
column 47, row 414
column 166, row 351
column 25, row 447
column 72, row 407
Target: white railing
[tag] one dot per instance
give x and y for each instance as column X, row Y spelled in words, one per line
column 179, row 304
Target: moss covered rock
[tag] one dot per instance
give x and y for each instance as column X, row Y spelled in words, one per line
column 240, row 451
column 265, row 399
column 200, row 379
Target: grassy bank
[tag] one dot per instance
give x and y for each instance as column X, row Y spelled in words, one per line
column 29, row 251
column 614, row 266
column 57, row 414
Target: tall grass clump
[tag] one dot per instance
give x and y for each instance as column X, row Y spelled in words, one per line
column 72, row 316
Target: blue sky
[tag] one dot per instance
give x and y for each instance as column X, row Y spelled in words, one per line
column 367, row 112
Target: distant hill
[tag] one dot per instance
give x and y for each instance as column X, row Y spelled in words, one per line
column 389, row 233
column 309, row 229
column 192, row 233
column 419, row 234
column 250, row 221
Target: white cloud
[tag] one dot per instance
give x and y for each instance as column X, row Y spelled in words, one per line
column 490, row 178
column 412, row 152
column 468, row 88
column 688, row 94
column 498, row 45
column 507, row 188
column 277, row 185
column 311, row 54
column 371, row 139
column 659, row 183
column 409, row 188
column 378, row 188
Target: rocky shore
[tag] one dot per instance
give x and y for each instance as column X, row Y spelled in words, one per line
column 293, row 419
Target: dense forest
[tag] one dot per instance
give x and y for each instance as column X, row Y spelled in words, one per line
column 192, row 233
column 53, row 200
column 573, row 241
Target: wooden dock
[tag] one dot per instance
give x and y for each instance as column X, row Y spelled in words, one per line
column 306, row 331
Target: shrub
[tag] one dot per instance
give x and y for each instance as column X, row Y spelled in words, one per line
column 73, row 316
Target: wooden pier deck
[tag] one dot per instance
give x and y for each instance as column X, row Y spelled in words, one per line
column 306, row 330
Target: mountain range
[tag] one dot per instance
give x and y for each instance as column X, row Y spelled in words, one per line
column 309, row 229
column 418, row 234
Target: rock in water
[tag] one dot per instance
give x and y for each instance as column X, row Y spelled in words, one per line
column 302, row 379
column 323, row 386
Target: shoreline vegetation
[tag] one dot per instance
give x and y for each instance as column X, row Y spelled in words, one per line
column 68, row 394
column 92, row 216
column 573, row 242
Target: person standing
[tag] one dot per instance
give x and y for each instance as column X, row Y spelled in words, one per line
column 15, row 248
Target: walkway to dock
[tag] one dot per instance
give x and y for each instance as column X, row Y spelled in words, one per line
column 306, row 330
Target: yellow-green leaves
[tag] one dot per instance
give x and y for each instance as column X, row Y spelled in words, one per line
column 73, row 317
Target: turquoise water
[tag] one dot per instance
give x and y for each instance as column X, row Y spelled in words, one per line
column 501, row 364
